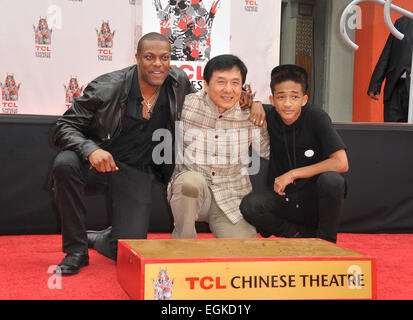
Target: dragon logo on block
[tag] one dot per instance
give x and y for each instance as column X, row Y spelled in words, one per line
column 163, row 286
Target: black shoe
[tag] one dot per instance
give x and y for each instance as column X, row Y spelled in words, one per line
column 280, row 227
column 264, row 234
column 93, row 236
column 304, row 231
column 72, row 263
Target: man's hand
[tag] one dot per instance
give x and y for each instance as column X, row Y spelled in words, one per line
column 337, row 162
column 281, row 182
column 245, row 101
column 374, row 96
column 257, row 116
column 102, row 161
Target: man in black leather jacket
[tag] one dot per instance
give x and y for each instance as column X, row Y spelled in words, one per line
column 106, row 142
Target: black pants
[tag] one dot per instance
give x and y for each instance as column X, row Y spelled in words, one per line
column 396, row 109
column 313, row 211
column 128, row 194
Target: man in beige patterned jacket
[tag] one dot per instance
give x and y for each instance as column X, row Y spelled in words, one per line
column 211, row 172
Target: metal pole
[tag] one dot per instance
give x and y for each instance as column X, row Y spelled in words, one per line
column 343, row 29
column 343, row 19
column 387, row 18
column 410, row 117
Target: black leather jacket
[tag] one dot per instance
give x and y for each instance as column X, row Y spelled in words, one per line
column 95, row 118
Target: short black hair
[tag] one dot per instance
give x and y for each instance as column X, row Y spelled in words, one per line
column 224, row 62
column 286, row 72
column 151, row 36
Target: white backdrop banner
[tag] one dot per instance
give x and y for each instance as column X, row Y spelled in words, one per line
column 50, row 50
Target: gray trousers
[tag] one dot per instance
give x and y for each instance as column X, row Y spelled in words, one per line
column 192, row 200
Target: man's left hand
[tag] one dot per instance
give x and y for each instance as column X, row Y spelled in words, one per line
column 281, row 182
column 257, row 116
column 245, row 100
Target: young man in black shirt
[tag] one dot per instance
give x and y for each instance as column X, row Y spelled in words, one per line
column 307, row 157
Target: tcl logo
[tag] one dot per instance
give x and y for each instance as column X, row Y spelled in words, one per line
column 9, row 104
column 205, row 283
column 104, row 51
column 43, row 48
column 194, row 73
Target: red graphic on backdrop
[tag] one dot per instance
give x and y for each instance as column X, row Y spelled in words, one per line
column 9, row 94
column 42, row 39
column 187, row 25
column 72, row 90
column 105, row 42
column 42, row 33
column 105, row 35
column 9, row 90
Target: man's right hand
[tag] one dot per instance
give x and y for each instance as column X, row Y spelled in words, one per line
column 374, row 96
column 102, row 161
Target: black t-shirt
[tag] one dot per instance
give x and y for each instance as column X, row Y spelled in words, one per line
column 309, row 140
column 134, row 144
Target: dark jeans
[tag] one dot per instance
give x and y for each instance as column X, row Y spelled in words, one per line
column 313, row 211
column 396, row 109
column 128, row 194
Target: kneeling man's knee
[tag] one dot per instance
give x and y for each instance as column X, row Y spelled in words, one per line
column 331, row 183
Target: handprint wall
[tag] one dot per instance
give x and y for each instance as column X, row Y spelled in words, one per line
column 187, row 24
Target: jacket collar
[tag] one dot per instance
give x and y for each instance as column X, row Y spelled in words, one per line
column 173, row 76
column 130, row 71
